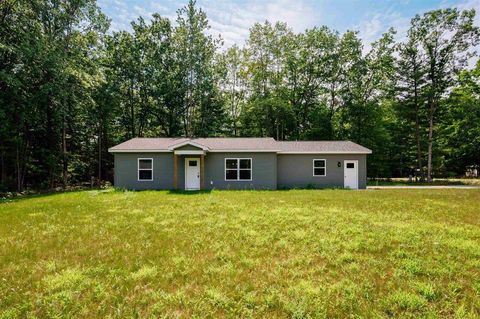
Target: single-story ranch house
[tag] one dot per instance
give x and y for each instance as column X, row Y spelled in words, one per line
column 238, row 163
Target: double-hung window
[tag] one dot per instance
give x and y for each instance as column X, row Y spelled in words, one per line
column 319, row 167
column 145, row 169
column 238, row 169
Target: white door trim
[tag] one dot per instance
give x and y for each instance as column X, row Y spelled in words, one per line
column 187, row 159
column 345, row 172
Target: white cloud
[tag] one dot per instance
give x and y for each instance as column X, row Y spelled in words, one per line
column 158, row 7
column 375, row 24
column 233, row 21
column 471, row 4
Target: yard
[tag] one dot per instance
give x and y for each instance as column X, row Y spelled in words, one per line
column 435, row 182
column 299, row 254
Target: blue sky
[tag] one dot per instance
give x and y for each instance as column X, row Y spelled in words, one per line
column 232, row 19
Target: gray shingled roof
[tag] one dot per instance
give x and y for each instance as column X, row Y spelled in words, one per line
column 238, row 143
column 244, row 144
column 217, row 144
column 150, row 144
column 322, row 147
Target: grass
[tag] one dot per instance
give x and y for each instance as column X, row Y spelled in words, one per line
column 288, row 254
column 435, row 182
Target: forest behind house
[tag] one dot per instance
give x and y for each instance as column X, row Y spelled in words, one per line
column 70, row 88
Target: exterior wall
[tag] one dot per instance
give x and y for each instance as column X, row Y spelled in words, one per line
column 126, row 171
column 264, row 171
column 181, row 169
column 296, row 170
column 269, row 171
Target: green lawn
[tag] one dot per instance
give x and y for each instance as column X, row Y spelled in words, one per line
column 435, row 182
column 299, row 254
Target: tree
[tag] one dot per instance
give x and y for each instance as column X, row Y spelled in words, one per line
column 460, row 125
column 268, row 100
column 233, row 86
column 195, row 59
column 47, row 43
column 365, row 100
column 346, row 53
column 411, row 79
column 446, row 37
column 69, row 91
column 308, row 60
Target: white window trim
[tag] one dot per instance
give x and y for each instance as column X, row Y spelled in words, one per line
column 144, row 169
column 238, row 169
column 313, row 167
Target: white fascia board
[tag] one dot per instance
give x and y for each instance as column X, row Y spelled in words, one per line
column 203, row 147
column 189, row 152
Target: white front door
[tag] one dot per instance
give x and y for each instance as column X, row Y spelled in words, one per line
column 192, row 173
column 350, row 172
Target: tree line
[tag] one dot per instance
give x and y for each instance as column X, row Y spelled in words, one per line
column 70, row 89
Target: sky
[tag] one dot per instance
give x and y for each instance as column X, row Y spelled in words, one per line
column 232, row 19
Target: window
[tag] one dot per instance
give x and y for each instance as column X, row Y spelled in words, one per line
column 192, row 163
column 145, row 169
column 319, row 167
column 238, row 169
column 350, row 165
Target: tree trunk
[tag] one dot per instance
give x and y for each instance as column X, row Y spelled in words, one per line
column 132, row 111
column 64, row 153
column 2, row 166
column 100, row 152
column 333, row 96
column 417, row 134
column 52, row 178
column 20, row 163
column 419, row 146
column 430, row 142
column 132, row 120
column 18, row 169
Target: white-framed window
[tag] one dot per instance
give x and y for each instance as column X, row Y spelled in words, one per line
column 238, row 169
column 145, row 169
column 319, row 167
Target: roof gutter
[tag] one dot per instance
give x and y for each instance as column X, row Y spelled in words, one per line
column 324, row 152
column 110, row 150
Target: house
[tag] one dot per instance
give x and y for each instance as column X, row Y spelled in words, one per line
column 238, row 163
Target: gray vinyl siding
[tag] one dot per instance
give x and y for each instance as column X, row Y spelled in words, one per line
column 296, row 170
column 126, row 171
column 269, row 171
column 181, row 169
column 264, row 171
